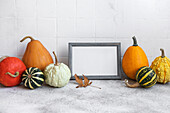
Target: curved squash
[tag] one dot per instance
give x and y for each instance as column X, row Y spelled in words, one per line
column 133, row 59
column 36, row 55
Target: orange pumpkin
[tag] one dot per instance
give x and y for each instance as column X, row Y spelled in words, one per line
column 36, row 55
column 133, row 59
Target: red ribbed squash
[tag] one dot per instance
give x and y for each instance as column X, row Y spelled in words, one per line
column 11, row 69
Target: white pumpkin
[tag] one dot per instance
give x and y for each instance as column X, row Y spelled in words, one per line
column 57, row 75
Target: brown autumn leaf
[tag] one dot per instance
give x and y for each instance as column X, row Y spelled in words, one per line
column 80, row 81
column 86, row 81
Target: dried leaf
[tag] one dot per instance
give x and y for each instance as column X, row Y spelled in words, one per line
column 77, row 87
column 86, row 81
column 90, row 83
column 78, row 80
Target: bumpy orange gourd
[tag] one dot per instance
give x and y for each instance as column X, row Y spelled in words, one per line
column 133, row 59
column 161, row 66
column 36, row 55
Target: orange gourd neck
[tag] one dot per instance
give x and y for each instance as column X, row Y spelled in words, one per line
column 36, row 55
column 163, row 53
column 134, row 41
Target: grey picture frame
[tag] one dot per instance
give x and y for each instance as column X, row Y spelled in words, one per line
column 96, row 77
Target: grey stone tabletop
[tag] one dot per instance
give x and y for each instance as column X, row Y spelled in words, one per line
column 113, row 97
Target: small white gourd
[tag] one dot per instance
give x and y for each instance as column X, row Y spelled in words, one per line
column 58, row 74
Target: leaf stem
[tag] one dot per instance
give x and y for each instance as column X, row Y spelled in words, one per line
column 96, row 87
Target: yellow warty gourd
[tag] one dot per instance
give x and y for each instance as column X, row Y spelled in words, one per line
column 161, row 66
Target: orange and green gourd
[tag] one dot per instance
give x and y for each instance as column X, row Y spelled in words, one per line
column 145, row 77
column 161, row 66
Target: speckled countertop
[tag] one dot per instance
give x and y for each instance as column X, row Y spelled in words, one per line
column 114, row 97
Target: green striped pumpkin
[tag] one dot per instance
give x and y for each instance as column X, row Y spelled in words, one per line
column 146, row 77
column 32, row 78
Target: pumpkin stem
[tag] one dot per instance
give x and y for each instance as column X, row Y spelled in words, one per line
column 15, row 75
column 26, row 38
column 56, row 60
column 131, row 85
column 134, row 41
column 163, row 53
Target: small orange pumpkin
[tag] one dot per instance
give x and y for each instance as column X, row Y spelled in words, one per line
column 36, row 55
column 133, row 59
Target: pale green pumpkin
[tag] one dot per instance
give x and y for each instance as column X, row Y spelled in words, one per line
column 57, row 75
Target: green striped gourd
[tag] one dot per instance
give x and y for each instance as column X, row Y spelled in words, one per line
column 32, row 78
column 145, row 77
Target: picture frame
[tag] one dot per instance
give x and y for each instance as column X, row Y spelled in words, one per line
column 97, row 61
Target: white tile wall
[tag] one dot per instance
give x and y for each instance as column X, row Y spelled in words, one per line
column 85, row 28
column 8, row 47
column 66, row 8
column 25, row 8
column 7, row 8
column 7, row 27
column 105, row 28
column 46, row 8
column 46, row 27
column 26, row 26
column 105, row 9
column 86, row 9
column 66, row 27
column 162, row 6
column 57, row 22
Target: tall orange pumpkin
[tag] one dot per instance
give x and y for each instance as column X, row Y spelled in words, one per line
column 36, row 55
column 133, row 59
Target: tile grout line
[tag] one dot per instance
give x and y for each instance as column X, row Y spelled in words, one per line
column 57, row 29
column 17, row 27
column 36, row 17
column 76, row 22
column 95, row 38
column 56, row 47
